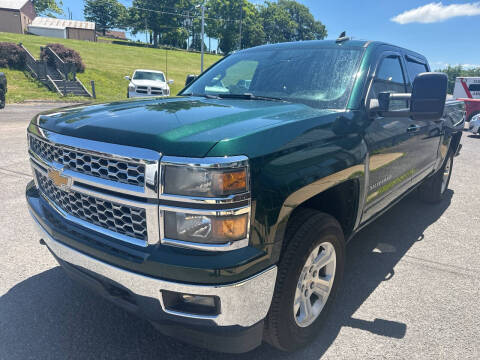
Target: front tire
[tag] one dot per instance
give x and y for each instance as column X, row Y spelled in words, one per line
column 309, row 275
column 433, row 190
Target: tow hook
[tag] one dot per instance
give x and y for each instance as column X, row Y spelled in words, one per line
column 42, row 242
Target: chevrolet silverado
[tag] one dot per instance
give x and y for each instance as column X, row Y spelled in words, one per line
column 222, row 215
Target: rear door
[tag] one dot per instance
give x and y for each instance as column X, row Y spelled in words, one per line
column 389, row 139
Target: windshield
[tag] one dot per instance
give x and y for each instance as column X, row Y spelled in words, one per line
column 318, row 77
column 146, row 75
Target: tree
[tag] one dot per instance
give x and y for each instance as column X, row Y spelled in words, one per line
column 252, row 33
column 307, row 27
column 47, row 7
column 163, row 18
column 289, row 20
column 277, row 23
column 106, row 14
column 456, row 71
column 228, row 20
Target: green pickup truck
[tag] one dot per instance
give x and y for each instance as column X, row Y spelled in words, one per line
column 222, row 215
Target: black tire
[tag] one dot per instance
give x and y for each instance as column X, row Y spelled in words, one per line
column 308, row 229
column 432, row 191
column 2, row 98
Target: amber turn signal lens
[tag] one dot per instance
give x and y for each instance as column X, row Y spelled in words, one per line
column 233, row 182
column 231, row 228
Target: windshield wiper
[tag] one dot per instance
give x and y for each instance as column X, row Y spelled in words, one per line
column 249, row 96
column 208, row 96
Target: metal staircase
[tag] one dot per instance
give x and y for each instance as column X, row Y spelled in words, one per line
column 61, row 77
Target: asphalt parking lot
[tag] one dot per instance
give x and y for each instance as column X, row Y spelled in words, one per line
column 411, row 289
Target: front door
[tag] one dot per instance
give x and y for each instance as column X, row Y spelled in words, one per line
column 389, row 140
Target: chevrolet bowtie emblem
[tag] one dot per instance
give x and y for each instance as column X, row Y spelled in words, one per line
column 61, row 181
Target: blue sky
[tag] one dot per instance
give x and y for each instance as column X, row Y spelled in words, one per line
column 446, row 32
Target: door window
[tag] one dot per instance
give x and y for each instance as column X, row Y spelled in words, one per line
column 389, row 78
column 414, row 68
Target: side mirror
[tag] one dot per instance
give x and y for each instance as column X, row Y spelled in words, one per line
column 427, row 100
column 128, row 78
column 170, row 82
column 190, row 78
column 429, row 95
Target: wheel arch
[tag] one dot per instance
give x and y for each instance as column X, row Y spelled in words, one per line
column 340, row 201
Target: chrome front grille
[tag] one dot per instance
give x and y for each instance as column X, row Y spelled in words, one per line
column 153, row 90
column 89, row 164
column 123, row 219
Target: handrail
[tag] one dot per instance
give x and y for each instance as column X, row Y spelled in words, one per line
column 38, row 68
column 83, row 86
column 28, row 52
column 54, row 85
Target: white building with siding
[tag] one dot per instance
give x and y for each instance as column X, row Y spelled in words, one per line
column 63, row 29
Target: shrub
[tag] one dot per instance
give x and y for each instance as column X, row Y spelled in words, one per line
column 66, row 54
column 12, row 56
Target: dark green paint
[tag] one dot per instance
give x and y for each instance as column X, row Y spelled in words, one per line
column 295, row 152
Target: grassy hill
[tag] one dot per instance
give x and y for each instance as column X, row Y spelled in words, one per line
column 105, row 63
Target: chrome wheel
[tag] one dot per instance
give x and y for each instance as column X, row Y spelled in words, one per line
column 314, row 284
column 446, row 174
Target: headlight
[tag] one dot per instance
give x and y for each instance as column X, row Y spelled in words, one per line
column 205, row 229
column 213, row 202
column 201, row 182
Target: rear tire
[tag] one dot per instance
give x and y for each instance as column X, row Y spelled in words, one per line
column 309, row 275
column 2, row 98
column 433, row 190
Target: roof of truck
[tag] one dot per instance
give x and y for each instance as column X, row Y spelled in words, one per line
column 332, row 44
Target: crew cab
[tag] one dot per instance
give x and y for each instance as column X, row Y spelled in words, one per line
column 3, row 89
column 222, row 215
column 145, row 83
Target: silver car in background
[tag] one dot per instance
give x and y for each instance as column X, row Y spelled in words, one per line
column 475, row 124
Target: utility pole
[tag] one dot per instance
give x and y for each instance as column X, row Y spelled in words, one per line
column 241, row 17
column 203, row 34
column 146, row 31
column 187, row 26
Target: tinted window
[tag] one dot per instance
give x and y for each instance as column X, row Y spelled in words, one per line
column 145, row 75
column 415, row 68
column 390, row 78
column 318, row 77
column 474, row 87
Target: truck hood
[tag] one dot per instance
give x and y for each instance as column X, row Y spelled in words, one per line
column 177, row 126
column 151, row 83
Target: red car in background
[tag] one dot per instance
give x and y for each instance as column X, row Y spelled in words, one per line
column 468, row 90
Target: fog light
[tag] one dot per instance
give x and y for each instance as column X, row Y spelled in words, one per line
column 191, row 304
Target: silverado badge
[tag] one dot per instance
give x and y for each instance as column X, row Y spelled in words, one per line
column 60, row 181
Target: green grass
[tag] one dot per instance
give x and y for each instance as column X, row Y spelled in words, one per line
column 105, row 63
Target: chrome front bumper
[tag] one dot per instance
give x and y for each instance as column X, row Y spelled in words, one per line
column 244, row 303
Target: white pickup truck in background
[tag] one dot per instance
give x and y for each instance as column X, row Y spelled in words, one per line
column 146, row 83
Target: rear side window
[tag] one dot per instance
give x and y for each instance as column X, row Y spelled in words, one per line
column 414, row 68
column 390, row 78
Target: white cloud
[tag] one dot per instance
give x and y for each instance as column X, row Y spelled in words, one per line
column 436, row 12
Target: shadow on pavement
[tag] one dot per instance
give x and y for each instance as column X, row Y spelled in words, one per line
column 49, row 316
